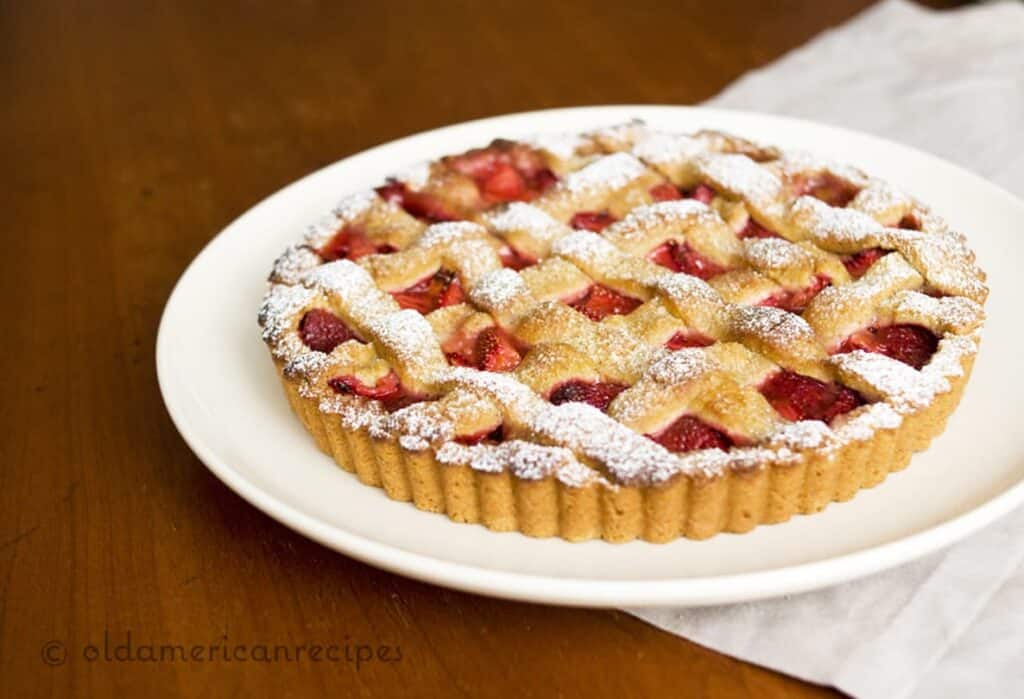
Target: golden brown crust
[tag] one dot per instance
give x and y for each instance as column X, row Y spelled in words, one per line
column 691, row 506
column 777, row 235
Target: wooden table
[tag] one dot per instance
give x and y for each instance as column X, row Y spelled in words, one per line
column 134, row 132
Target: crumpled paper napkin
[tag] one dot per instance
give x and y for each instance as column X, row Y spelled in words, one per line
column 951, row 625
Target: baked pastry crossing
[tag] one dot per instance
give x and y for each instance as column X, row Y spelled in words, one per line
column 625, row 333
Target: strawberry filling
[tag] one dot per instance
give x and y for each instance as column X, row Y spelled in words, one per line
column 599, row 302
column 419, row 204
column 910, row 344
column 491, row 350
column 665, row 191
column 437, row 291
column 688, row 338
column 322, row 331
column 595, row 221
column 683, row 258
column 388, row 390
column 798, row 397
column 829, row 189
column 701, row 193
column 689, row 433
column 505, row 171
column 351, row 243
column 859, row 263
column 797, row 300
column 596, row 393
column 753, row 229
column 513, row 259
column 492, row 435
column 909, row 223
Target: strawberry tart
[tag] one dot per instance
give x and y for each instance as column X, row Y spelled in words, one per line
column 626, row 333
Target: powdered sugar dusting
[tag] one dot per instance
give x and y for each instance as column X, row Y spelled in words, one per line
column 524, row 459
column 355, row 205
column 684, row 288
column 878, row 199
column 560, row 145
column 863, row 423
column 954, row 312
column 845, row 229
column 769, row 323
column 441, row 234
column 902, row 385
column 610, row 172
column 497, row 289
column 408, row 335
column 586, row 248
column 276, row 314
column 775, row 254
column 536, row 223
column 662, row 148
column 740, row 176
column 801, row 162
column 306, row 364
column 630, row 457
column 293, row 264
column 680, row 367
column 318, row 234
column 582, row 445
column 805, row 434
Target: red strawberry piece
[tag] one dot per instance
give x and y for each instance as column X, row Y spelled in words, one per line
column 753, row 229
column 513, row 259
column 683, row 258
column 595, row 221
column 491, row 350
column 829, row 189
column 388, row 389
column 860, row 262
column 665, row 191
column 504, row 184
column 495, row 351
column 322, row 331
column 596, row 393
column 689, row 433
column 459, row 349
column 599, row 302
column 493, row 435
column 798, row 397
column 505, row 171
column 452, row 294
column 419, row 204
column 478, row 163
column 910, row 344
column 349, row 243
column 528, row 161
column 421, row 296
column 663, row 255
column 688, row 338
column 426, row 295
column 541, row 181
column 796, row 301
column 692, row 262
column 909, row 223
column 701, row 193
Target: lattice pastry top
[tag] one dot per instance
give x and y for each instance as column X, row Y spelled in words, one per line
column 625, row 305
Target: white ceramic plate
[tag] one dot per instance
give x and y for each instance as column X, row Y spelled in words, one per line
column 220, row 388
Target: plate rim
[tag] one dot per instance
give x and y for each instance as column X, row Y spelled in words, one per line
column 569, row 591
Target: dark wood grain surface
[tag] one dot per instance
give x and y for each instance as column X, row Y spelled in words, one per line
column 132, row 133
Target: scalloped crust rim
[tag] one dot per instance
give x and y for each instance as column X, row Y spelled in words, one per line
column 691, row 506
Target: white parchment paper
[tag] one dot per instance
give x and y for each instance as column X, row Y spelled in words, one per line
column 951, row 625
